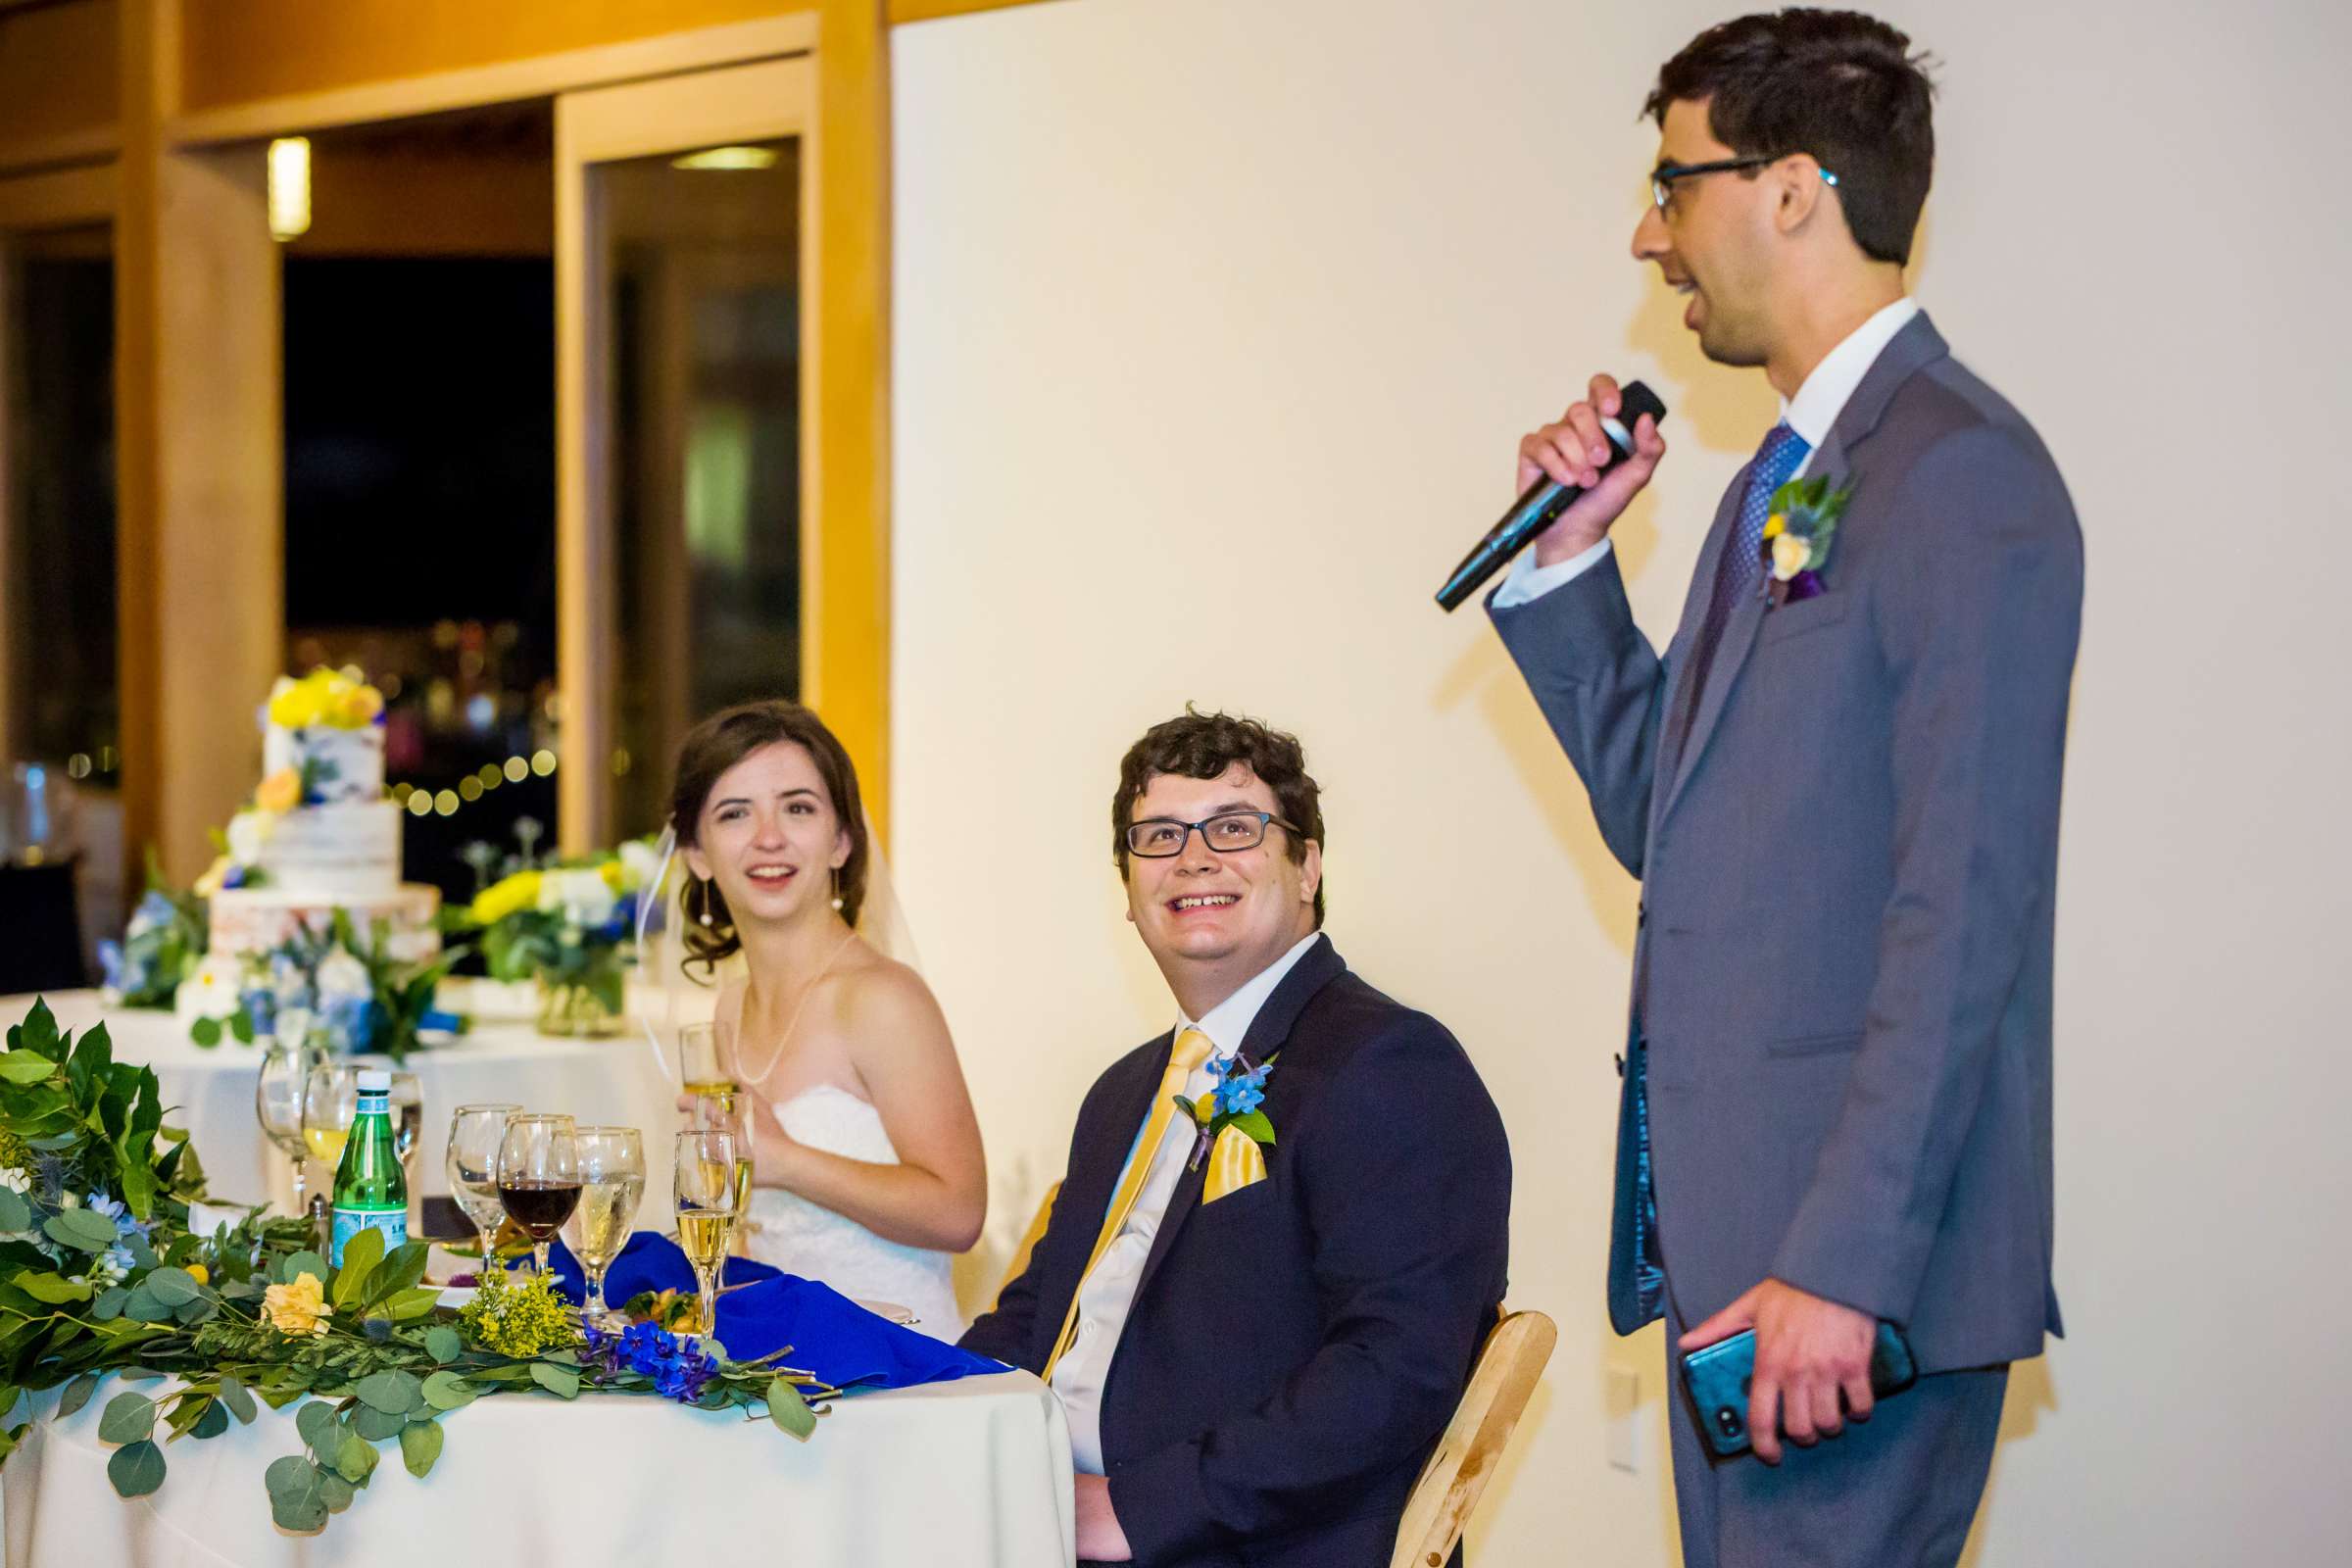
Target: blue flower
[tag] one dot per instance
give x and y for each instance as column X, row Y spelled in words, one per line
column 1238, row 1095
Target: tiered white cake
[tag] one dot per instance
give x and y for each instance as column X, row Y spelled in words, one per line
column 320, row 836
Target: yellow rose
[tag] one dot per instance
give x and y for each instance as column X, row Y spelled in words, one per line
column 1789, row 553
column 299, row 1307
column 201, row 1274
column 1775, row 526
column 357, row 708
column 282, row 791
column 296, row 706
column 505, row 896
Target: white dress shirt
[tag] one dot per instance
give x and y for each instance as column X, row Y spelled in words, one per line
column 1109, row 1292
column 1810, row 413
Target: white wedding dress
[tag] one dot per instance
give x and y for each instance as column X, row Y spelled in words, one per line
column 801, row 1238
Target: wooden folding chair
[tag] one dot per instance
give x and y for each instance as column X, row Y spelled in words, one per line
column 1028, row 1243
column 1508, row 1365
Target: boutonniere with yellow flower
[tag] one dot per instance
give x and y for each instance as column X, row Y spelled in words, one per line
column 1798, row 536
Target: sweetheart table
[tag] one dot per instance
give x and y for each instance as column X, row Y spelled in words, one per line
column 974, row 1473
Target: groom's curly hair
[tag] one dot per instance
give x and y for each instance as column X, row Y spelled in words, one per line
column 1200, row 745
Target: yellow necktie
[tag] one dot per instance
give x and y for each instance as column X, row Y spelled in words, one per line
column 1190, row 1050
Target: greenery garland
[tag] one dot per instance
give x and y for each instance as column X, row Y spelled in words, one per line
column 101, row 1274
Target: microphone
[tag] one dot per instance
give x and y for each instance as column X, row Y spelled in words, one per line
column 1545, row 500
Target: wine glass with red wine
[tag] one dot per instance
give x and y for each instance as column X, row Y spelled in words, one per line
column 539, row 1177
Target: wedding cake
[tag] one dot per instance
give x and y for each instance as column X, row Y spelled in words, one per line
column 321, row 835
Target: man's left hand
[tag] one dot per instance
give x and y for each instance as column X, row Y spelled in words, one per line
column 1808, row 1351
column 1099, row 1537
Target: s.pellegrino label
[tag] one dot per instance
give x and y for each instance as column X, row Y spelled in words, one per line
column 371, row 1193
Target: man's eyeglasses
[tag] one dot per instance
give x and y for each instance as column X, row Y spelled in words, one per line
column 1662, row 177
column 1158, row 838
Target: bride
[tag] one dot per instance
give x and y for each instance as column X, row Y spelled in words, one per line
column 868, row 1171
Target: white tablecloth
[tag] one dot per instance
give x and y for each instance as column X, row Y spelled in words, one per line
column 210, row 1092
column 972, row 1474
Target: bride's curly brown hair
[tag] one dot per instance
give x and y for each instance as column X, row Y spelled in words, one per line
column 717, row 744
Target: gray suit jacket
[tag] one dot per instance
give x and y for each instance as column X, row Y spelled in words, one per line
column 1842, row 969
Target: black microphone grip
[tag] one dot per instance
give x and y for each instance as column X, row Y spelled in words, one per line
column 1545, row 500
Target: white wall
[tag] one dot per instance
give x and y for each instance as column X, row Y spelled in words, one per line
column 1217, row 324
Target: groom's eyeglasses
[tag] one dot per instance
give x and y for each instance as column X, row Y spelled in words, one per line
column 1662, row 177
column 1158, row 838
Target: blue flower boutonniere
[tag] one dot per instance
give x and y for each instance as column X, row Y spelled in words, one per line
column 1798, row 537
column 1233, row 1102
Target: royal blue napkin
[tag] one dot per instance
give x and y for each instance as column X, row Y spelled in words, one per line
column 833, row 1339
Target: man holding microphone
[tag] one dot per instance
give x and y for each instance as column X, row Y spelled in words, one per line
column 1839, row 787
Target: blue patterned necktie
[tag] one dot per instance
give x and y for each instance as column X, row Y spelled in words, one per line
column 1741, row 569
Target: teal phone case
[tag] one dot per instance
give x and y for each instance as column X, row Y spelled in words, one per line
column 1717, row 1378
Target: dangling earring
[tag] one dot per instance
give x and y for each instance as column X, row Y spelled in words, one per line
column 837, row 890
column 702, row 896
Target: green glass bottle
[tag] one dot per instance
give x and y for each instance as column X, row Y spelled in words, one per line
column 371, row 1193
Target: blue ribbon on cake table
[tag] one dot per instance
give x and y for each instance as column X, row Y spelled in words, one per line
column 833, row 1339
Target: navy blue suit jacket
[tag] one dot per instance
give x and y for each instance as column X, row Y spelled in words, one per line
column 1296, row 1348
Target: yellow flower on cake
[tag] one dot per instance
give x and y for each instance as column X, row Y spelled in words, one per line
column 282, row 791
column 299, row 1307
column 294, row 704
column 1790, row 555
column 507, row 896
column 357, row 708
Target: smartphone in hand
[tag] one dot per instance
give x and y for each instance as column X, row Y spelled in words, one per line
column 1717, row 1378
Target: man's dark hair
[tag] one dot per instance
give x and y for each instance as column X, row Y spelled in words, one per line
column 1203, row 746
column 1837, row 84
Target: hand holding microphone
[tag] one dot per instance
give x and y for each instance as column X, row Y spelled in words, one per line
column 1576, row 478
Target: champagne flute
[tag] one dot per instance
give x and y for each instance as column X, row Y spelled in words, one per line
column 277, row 1101
column 612, row 1184
column 729, row 1112
column 472, row 1165
column 539, row 1177
column 705, row 1173
column 707, row 1059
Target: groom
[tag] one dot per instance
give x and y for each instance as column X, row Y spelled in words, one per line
column 1839, row 789
column 1257, row 1345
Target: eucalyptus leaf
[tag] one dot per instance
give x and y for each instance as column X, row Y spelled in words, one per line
column 15, row 1213
column 191, row 1313
column 296, row 1500
column 128, row 1418
column 80, row 1230
column 375, row 1425
column 446, row 1390
column 356, row 1461
column 142, row 1306
column 561, row 1381
column 173, row 1286
column 419, row 1447
column 336, row 1492
column 136, row 1470
column 391, row 1393
column 293, row 1267
column 444, row 1344
column 213, row 1422
column 238, row 1399
column 788, row 1411
column 319, row 1429
column 78, row 1394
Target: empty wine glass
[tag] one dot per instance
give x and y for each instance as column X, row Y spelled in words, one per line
column 612, row 1184
column 539, row 1177
column 408, row 1123
column 471, row 1161
column 286, row 1066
